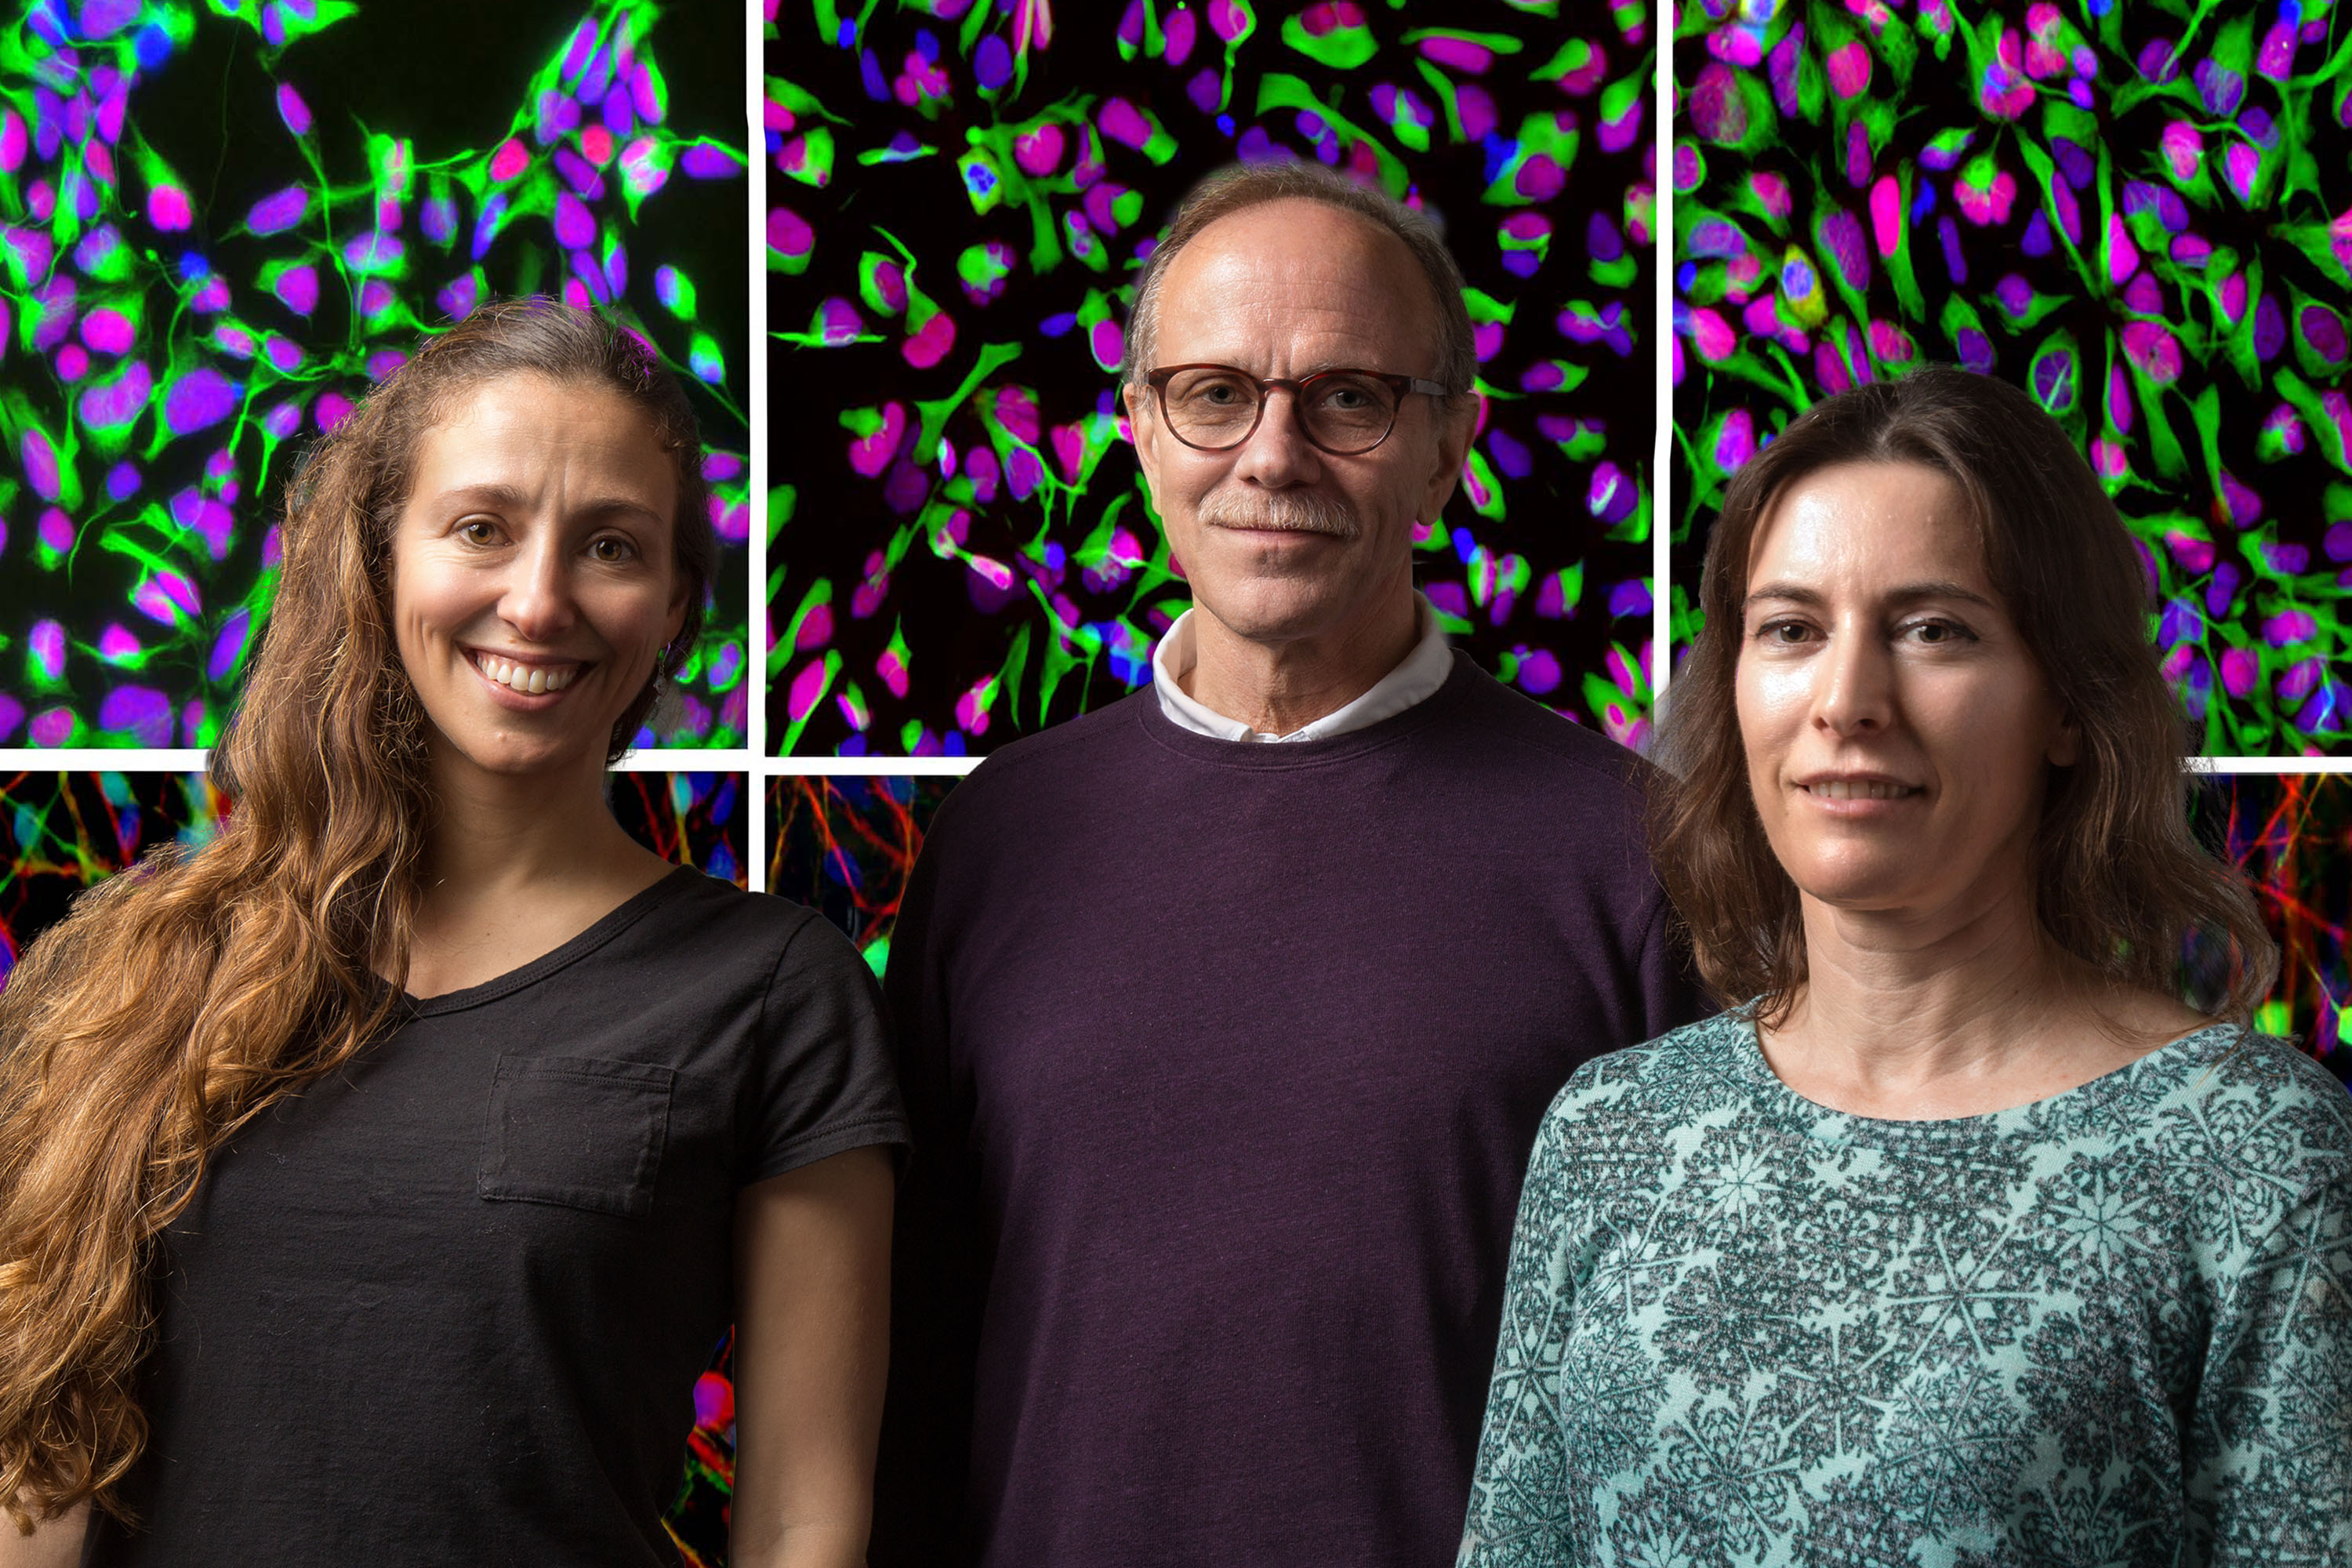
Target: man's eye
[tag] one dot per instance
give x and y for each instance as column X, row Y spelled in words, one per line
column 610, row 549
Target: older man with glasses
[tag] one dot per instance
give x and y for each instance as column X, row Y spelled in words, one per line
column 1227, row 1013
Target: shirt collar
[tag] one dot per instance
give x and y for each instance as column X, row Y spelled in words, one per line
column 1425, row 669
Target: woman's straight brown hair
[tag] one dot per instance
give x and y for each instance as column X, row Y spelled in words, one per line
column 2122, row 883
column 179, row 999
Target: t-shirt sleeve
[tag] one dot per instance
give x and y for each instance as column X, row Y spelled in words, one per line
column 824, row 1083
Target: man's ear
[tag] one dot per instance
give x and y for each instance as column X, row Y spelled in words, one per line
column 1457, row 422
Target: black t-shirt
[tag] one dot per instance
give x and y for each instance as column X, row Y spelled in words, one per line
column 448, row 1305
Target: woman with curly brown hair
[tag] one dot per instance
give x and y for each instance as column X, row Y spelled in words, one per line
column 375, row 1181
column 1961, row 1238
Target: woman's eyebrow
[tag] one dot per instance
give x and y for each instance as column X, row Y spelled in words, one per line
column 1910, row 593
column 507, row 497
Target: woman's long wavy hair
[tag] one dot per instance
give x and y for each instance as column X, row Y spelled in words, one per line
column 2121, row 881
column 178, row 1000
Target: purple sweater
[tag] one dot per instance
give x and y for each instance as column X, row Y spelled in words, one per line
column 1224, row 1062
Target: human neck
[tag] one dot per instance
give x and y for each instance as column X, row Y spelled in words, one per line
column 1911, row 1016
column 1277, row 688
column 514, row 868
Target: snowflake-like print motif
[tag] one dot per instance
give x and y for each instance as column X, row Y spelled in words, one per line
column 2107, row 1328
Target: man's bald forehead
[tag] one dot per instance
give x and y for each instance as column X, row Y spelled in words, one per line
column 1304, row 227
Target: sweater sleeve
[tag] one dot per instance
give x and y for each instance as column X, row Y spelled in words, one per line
column 2268, row 1456
column 938, row 1262
column 1518, row 1502
column 1671, row 993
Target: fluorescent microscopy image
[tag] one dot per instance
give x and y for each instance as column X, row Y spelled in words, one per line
column 844, row 844
column 2293, row 835
column 220, row 221
column 2140, row 213
column 64, row 832
column 961, row 193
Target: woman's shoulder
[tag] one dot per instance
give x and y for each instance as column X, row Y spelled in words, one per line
column 2227, row 1063
column 726, row 926
column 2227, row 1084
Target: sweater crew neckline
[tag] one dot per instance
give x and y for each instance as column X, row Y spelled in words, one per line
column 1260, row 756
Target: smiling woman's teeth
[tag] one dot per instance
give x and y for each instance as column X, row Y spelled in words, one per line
column 526, row 678
column 1859, row 789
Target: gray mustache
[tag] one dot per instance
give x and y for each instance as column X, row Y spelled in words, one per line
column 1281, row 512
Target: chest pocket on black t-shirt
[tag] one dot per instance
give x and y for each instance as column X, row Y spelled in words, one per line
column 584, row 1131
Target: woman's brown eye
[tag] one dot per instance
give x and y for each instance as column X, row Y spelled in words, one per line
column 477, row 532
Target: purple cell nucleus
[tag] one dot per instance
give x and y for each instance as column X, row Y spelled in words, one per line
column 140, row 711
column 575, row 227
column 199, row 399
column 46, row 644
column 279, row 211
column 116, row 644
column 1124, row 123
column 2270, row 328
column 2241, row 670
column 107, row 331
column 40, row 462
column 169, row 209
column 2323, row 332
column 374, row 251
column 789, row 233
column 991, row 63
column 113, row 404
column 292, row 110
column 709, row 161
column 296, row 289
column 53, row 726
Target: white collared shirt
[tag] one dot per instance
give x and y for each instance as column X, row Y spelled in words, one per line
column 1425, row 669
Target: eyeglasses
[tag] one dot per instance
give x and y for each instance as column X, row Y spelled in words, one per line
column 1215, row 407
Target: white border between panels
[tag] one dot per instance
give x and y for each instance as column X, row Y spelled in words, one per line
column 755, row 624
column 867, row 767
column 1661, row 327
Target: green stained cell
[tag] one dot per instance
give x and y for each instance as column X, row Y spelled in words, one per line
column 1484, row 491
column 658, row 85
column 882, row 283
column 704, row 359
column 982, row 181
column 1343, row 45
column 853, row 706
column 787, row 645
column 1485, row 308
column 1278, row 91
column 911, row 734
column 1539, row 170
column 809, row 156
column 1575, row 55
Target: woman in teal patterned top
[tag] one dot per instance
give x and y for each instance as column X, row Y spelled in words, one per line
column 1964, row 1241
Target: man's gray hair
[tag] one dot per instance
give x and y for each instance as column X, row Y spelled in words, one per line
column 1245, row 185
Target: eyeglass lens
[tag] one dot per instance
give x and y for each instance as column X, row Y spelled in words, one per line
column 1341, row 412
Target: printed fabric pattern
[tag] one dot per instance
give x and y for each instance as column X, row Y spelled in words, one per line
column 2111, row 1327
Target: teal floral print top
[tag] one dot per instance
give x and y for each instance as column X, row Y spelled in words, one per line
column 2113, row 1327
